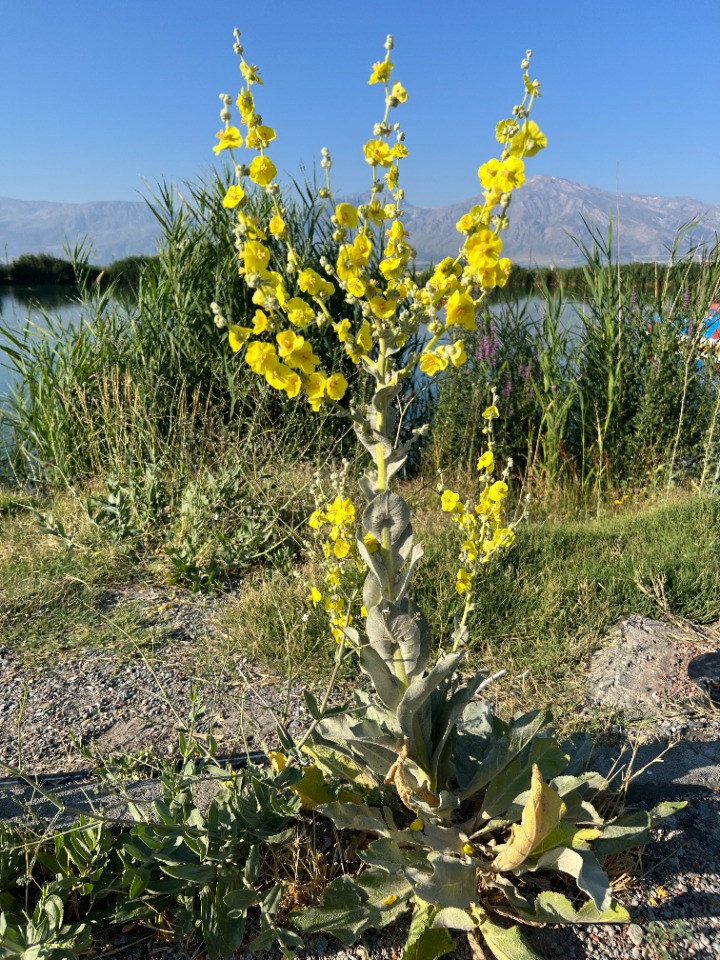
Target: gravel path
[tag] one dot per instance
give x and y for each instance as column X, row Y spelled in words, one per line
column 674, row 902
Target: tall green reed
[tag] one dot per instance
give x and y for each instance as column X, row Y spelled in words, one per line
column 145, row 377
column 610, row 388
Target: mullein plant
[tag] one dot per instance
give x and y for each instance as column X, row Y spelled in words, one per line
column 470, row 812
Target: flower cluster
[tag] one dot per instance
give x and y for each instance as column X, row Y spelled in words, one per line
column 372, row 266
column 334, row 525
column 483, row 527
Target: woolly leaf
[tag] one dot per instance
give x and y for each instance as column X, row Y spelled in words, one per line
column 507, row 943
column 541, row 815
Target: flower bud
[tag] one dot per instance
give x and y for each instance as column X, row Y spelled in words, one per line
column 238, row 49
column 225, row 115
column 324, row 193
column 389, row 42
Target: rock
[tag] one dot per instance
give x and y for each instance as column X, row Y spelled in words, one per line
column 628, row 673
column 635, row 933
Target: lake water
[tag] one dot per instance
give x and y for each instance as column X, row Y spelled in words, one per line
column 20, row 307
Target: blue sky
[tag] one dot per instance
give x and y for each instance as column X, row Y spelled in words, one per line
column 100, row 99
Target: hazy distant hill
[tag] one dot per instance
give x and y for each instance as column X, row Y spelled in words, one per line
column 547, row 212
column 116, row 228
column 544, row 216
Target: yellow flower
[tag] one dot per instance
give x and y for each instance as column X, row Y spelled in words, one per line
column 256, row 256
column 498, row 491
column 463, row 581
column 450, row 501
column 364, row 337
column 491, row 413
column 398, row 92
column 311, row 282
column 466, row 223
column 486, row 461
column 287, row 341
column 260, row 322
column 245, row 104
column 460, row 310
column 259, row 137
column 371, row 542
column 341, row 511
column 277, row 226
column 483, row 249
column 382, row 308
column 488, row 173
column 377, row 153
column 302, row 356
column 456, row 354
column 470, row 548
column 260, row 356
column 237, row 337
column 341, row 548
column 249, row 73
column 317, row 520
column 315, row 389
column 299, row 313
column 375, row 211
column 511, row 174
column 356, row 287
column 528, row 141
column 336, row 386
column 392, row 267
column 417, row 825
column 342, row 330
column 347, row 215
column 234, row 195
column 228, row 139
column 276, row 374
column 315, row 596
column 389, row 901
column 432, row 363
column 469, row 849
column 380, row 72
column 361, row 250
column 262, row 171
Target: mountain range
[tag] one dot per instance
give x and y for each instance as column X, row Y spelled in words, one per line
column 545, row 215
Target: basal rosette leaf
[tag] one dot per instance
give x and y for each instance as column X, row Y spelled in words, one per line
column 540, row 817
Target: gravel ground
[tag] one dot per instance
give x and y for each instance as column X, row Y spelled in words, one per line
column 674, row 902
column 128, row 706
